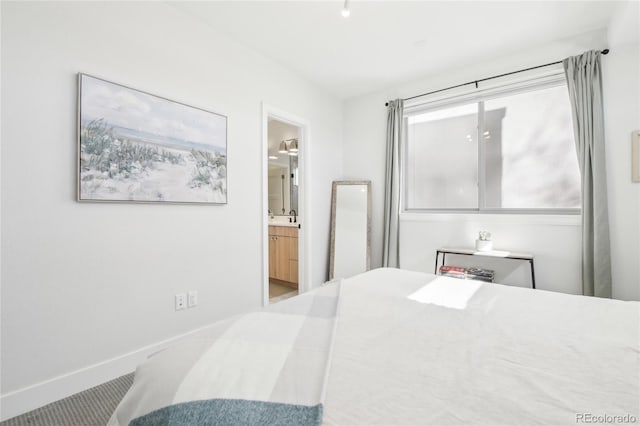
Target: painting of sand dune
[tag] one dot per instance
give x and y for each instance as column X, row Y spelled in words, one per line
column 134, row 146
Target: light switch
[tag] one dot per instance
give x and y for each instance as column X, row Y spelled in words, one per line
column 193, row 298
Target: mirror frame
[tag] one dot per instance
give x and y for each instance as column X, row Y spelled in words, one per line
column 332, row 243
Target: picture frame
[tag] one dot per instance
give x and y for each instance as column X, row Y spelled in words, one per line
column 635, row 156
column 137, row 147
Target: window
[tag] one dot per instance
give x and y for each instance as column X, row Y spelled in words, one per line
column 502, row 150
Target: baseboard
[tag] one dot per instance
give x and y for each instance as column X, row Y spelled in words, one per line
column 37, row 395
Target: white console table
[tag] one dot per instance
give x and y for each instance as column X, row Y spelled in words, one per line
column 500, row 254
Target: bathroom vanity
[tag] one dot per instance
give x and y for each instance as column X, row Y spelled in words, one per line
column 283, row 254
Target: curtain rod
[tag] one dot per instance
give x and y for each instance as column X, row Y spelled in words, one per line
column 604, row 52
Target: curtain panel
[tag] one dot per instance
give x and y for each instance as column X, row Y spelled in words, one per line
column 584, row 81
column 390, row 237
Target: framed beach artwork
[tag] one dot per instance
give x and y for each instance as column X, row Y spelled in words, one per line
column 138, row 147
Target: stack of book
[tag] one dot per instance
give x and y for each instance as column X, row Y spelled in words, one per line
column 467, row 273
column 480, row 274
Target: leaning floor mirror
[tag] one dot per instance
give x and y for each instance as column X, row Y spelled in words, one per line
column 350, row 247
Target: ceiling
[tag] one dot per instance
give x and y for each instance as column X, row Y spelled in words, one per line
column 384, row 43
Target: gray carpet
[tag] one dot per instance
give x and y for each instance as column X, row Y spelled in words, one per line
column 92, row 407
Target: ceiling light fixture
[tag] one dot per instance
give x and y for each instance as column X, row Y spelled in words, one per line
column 273, row 157
column 293, row 147
column 283, row 148
column 345, row 9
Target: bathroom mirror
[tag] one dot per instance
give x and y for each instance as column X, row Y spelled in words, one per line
column 283, row 186
column 282, row 153
column 350, row 246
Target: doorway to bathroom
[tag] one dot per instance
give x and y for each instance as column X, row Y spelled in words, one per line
column 285, row 219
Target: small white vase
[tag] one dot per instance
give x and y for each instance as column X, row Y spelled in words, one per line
column 484, row 245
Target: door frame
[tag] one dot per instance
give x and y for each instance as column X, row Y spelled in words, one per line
column 304, row 204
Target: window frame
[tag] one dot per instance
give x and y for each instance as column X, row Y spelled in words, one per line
column 553, row 78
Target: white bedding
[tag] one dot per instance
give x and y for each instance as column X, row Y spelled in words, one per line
column 411, row 348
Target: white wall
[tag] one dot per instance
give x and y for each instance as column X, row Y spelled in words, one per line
column 555, row 243
column 84, row 283
column 621, row 91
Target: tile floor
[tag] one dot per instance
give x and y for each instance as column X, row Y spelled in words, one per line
column 279, row 292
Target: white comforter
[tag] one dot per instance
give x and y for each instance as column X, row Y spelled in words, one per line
column 411, row 348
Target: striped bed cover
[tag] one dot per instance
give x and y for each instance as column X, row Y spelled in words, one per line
column 265, row 367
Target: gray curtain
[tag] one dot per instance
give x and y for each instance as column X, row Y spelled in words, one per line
column 390, row 241
column 584, row 80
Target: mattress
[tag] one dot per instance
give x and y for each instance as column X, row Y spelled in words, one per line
column 397, row 347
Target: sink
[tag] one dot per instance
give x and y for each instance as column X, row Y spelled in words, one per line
column 282, row 221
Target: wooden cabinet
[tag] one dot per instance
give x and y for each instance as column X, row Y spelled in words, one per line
column 280, row 257
column 283, row 255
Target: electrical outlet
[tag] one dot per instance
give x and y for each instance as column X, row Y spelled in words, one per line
column 181, row 301
column 192, row 298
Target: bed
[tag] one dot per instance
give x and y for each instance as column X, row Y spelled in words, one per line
column 397, row 347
